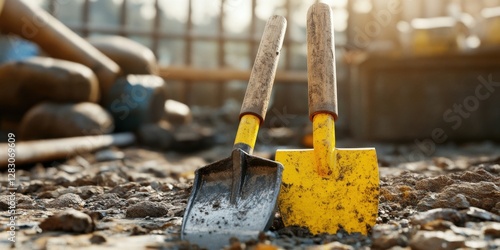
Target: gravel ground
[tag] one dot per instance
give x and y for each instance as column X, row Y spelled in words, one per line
column 134, row 198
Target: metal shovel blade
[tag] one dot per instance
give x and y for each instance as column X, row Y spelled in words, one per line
column 347, row 199
column 233, row 197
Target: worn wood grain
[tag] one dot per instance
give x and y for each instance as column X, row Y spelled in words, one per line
column 321, row 61
column 264, row 69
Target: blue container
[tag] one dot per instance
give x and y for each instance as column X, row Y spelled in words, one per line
column 136, row 99
column 13, row 48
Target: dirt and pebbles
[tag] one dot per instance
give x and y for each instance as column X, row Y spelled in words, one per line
column 134, row 198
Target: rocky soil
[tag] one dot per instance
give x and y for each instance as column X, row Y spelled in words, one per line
column 134, row 198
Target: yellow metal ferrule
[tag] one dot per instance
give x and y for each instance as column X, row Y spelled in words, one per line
column 324, row 144
column 247, row 131
column 1, row 5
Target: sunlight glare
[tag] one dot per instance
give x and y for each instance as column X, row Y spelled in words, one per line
column 175, row 9
column 238, row 16
column 362, row 6
column 148, row 11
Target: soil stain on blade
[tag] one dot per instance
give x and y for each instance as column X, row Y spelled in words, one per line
column 226, row 203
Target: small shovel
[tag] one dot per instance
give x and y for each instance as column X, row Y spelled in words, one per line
column 326, row 189
column 237, row 196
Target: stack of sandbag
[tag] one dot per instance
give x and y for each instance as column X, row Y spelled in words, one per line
column 84, row 87
column 138, row 96
column 76, row 73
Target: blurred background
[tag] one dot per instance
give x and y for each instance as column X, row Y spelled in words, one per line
column 406, row 69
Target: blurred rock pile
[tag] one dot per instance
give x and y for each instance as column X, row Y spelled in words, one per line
column 79, row 87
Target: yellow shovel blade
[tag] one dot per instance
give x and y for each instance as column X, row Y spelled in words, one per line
column 348, row 199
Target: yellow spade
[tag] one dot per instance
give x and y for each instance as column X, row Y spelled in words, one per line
column 326, row 188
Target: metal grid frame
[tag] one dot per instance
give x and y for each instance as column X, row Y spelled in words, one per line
column 157, row 34
column 224, row 73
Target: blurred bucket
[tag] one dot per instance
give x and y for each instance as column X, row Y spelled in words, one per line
column 15, row 49
column 136, row 99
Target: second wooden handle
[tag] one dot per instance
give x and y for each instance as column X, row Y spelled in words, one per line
column 321, row 61
column 264, row 69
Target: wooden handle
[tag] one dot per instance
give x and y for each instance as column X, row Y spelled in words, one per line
column 1, row 5
column 321, row 61
column 53, row 149
column 264, row 69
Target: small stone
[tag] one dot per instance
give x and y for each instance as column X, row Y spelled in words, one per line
column 402, row 194
column 133, row 200
column 96, row 215
column 109, row 168
column 138, row 230
column 125, row 189
column 155, row 185
column 193, row 137
column 25, row 202
column 33, row 187
column 71, row 169
column 109, row 155
column 466, row 231
column 443, row 162
column 147, row 208
column 425, row 240
column 107, row 200
column 482, row 194
column 67, row 200
column 476, row 176
column 386, row 241
column 60, row 191
column 437, row 225
column 108, row 179
column 385, row 236
column 51, row 194
column 89, row 191
column 159, row 135
column 476, row 244
column 492, row 230
column 446, row 214
column 160, row 171
column 493, row 166
column 460, row 201
column 482, row 214
column 63, row 179
column 4, row 202
column 496, row 209
column 84, row 180
column 428, row 202
column 434, row 184
column 177, row 113
column 234, row 244
column 69, row 220
column 140, row 177
column 404, row 223
column 97, row 239
column 331, row 246
column 20, row 201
